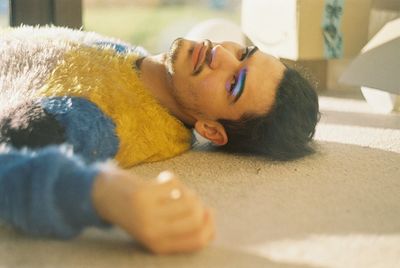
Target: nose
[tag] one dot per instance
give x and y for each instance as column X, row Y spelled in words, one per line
column 222, row 58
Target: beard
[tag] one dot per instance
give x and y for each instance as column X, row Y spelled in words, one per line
column 172, row 55
column 186, row 99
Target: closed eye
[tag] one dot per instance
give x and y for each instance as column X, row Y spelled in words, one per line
column 247, row 52
column 235, row 88
column 243, row 56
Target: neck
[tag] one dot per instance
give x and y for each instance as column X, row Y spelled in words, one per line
column 154, row 75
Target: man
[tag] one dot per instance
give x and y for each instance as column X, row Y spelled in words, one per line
column 106, row 99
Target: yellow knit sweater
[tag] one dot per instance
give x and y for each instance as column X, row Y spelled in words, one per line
column 146, row 131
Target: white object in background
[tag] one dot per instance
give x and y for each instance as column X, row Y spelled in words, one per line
column 381, row 101
column 270, row 29
column 377, row 69
column 217, row 30
column 307, row 29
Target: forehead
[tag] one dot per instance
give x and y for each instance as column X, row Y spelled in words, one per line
column 263, row 77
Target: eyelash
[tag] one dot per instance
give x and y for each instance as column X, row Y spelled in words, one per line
column 244, row 54
column 234, row 80
column 233, row 84
column 234, row 90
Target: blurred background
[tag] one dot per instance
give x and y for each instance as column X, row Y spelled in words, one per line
column 153, row 23
column 297, row 31
column 150, row 23
column 4, row 13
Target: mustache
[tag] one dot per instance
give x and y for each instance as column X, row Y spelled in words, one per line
column 174, row 49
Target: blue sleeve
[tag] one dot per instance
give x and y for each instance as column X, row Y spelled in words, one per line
column 90, row 132
column 47, row 192
column 122, row 48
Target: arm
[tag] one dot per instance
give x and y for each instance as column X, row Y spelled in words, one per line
column 39, row 192
column 50, row 192
column 162, row 214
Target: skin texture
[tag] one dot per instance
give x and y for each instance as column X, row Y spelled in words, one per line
column 165, row 216
column 145, row 209
column 200, row 99
column 206, row 92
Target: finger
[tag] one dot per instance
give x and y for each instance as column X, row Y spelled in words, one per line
column 166, row 181
column 185, row 223
column 155, row 195
column 191, row 241
column 173, row 193
column 175, row 208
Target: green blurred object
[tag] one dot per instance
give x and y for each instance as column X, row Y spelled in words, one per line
column 149, row 26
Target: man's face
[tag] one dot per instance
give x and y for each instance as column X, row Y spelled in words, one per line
column 222, row 80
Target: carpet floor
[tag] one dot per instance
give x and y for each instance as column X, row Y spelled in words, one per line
column 337, row 208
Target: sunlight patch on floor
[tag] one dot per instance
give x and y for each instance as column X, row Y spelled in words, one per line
column 378, row 105
column 344, row 105
column 384, row 139
column 334, row 251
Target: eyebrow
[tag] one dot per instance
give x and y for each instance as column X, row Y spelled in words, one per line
column 251, row 53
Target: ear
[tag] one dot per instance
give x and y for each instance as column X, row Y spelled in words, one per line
column 212, row 131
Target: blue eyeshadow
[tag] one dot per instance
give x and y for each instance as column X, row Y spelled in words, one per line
column 238, row 90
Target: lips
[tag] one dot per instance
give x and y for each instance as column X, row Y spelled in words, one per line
column 196, row 54
column 201, row 53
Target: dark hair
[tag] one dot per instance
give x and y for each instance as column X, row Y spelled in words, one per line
column 286, row 131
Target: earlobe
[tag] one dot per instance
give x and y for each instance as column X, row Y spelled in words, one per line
column 212, row 131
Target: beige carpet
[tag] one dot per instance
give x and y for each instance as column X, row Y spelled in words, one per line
column 337, row 208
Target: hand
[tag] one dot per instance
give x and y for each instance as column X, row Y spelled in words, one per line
column 163, row 214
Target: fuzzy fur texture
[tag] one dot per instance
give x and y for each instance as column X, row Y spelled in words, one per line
column 80, row 116
column 30, row 125
column 59, row 62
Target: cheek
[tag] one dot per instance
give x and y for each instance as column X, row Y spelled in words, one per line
column 205, row 87
column 210, row 95
column 210, row 88
column 205, row 90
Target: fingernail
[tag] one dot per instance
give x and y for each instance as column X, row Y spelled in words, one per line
column 165, row 176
